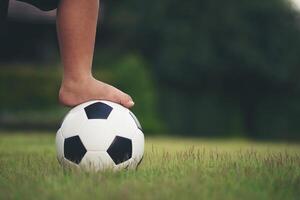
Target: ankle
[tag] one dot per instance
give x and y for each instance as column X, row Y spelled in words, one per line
column 73, row 81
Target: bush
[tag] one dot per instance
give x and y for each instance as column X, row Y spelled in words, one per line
column 130, row 74
column 29, row 94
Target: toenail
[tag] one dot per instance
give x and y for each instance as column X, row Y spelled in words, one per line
column 131, row 103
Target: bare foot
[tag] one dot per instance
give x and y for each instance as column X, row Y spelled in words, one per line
column 76, row 92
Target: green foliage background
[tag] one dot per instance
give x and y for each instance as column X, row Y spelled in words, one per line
column 31, row 100
column 205, row 68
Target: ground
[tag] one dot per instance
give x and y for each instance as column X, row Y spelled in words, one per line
column 173, row 168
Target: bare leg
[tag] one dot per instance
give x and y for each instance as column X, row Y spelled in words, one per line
column 76, row 27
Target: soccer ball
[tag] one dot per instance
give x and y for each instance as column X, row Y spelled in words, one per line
column 100, row 135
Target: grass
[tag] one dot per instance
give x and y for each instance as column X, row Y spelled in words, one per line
column 173, row 168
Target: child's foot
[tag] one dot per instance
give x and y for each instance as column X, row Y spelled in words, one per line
column 76, row 92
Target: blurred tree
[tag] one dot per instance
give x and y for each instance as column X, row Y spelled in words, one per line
column 245, row 51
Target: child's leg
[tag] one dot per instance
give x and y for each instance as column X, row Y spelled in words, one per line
column 76, row 27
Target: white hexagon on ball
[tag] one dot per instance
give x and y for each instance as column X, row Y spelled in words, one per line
column 100, row 135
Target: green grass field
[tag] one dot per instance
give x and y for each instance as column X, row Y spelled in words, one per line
column 172, row 168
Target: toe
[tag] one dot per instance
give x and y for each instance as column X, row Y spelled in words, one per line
column 127, row 101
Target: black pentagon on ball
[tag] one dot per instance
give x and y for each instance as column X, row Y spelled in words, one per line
column 120, row 150
column 74, row 150
column 98, row 110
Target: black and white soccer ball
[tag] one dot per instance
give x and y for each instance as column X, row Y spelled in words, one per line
column 100, row 135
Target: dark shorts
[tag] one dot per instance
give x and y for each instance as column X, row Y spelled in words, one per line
column 44, row 5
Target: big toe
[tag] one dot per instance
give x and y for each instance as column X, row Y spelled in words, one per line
column 127, row 101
